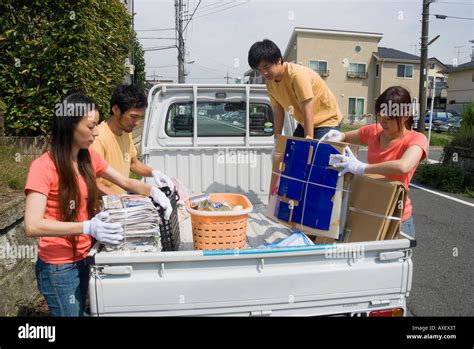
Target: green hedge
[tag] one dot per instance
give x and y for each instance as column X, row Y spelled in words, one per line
column 51, row 48
column 444, row 177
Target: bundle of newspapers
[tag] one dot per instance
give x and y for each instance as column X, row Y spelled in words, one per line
column 139, row 219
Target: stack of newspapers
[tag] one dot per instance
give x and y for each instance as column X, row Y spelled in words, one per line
column 139, row 219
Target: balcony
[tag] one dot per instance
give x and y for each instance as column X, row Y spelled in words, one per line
column 323, row 73
column 357, row 75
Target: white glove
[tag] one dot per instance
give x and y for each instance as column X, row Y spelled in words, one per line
column 103, row 231
column 162, row 180
column 160, row 198
column 349, row 163
column 333, row 136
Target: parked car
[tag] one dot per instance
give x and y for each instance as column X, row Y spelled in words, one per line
column 451, row 125
column 439, row 116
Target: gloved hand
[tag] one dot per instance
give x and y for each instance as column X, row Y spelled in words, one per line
column 162, row 180
column 349, row 163
column 160, row 198
column 102, row 231
column 333, row 136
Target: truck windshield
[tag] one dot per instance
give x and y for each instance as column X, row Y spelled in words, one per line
column 218, row 119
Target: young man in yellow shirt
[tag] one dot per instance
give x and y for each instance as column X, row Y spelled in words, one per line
column 115, row 143
column 296, row 89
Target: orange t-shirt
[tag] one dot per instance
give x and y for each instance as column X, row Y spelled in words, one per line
column 43, row 178
column 370, row 135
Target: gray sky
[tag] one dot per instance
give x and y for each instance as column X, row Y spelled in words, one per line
column 219, row 41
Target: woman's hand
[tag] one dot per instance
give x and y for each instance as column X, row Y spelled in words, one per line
column 102, row 231
column 349, row 163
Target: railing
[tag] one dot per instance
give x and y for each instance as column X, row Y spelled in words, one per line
column 323, row 73
column 357, row 75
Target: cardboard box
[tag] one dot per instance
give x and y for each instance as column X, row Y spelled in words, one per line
column 375, row 209
column 305, row 192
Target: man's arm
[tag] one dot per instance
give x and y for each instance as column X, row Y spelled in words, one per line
column 139, row 168
column 105, row 190
column 278, row 118
column 307, row 108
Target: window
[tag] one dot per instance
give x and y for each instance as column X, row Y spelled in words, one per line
column 320, row 67
column 405, row 71
column 218, row 119
column 377, row 70
column 432, row 66
column 357, row 67
column 356, row 106
column 430, row 81
column 357, row 70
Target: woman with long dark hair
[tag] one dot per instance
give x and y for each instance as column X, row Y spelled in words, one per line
column 62, row 205
column 394, row 150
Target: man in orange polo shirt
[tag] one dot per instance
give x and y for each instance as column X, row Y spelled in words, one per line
column 296, row 89
column 115, row 143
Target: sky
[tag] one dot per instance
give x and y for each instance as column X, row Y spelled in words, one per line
column 221, row 32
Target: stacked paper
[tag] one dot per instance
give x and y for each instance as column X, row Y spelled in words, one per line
column 138, row 216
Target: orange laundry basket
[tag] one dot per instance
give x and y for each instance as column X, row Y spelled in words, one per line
column 220, row 230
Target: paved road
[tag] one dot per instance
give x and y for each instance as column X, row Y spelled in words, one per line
column 443, row 261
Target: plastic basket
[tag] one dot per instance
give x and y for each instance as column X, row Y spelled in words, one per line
column 169, row 230
column 220, row 230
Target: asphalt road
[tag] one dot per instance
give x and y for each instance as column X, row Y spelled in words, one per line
column 443, row 261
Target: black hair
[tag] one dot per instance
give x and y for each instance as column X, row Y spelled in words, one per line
column 265, row 50
column 396, row 95
column 126, row 97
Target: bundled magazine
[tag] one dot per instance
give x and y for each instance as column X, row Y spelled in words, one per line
column 139, row 219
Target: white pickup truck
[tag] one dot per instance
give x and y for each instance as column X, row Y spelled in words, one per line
column 217, row 138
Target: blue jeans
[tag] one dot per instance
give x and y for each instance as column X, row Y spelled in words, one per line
column 408, row 227
column 318, row 131
column 64, row 286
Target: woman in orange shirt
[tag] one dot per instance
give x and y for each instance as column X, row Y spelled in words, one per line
column 62, row 205
column 394, row 150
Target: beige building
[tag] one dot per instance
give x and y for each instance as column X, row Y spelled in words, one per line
column 353, row 65
column 461, row 85
column 435, row 75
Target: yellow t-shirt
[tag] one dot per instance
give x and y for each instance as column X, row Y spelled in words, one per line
column 298, row 84
column 118, row 151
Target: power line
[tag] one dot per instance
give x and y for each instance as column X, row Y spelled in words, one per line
column 153, row 30
column 215, row 7
column 159, row 48
column 141, row 38
column 189, row 20
column 227, row 8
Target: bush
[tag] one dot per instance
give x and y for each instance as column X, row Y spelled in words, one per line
column 443, row 177
column 51, row 48
column 465, row 136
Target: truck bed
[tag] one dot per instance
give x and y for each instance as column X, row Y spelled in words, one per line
column 260, row 229
column 288, row 281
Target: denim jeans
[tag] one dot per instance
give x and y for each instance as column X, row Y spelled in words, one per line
column 408, row 227
column 64, row 286
column 318, row 131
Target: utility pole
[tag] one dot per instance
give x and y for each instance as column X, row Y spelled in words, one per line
column 458, row 50
column 423, row 60
column 179, row 29
column 227, row 76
